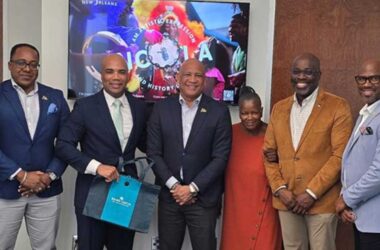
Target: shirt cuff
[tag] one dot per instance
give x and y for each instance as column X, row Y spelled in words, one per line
column 171, row 181
column 195, row 186
column 311, row 194
column 92, row 167
column 12, row 177
column 278, row 189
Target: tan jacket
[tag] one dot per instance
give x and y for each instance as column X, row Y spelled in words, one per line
column 316, row 163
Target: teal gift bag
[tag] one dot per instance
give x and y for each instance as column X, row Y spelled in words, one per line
column 129, row 203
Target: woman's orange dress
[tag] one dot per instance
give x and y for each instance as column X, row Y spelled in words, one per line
column 249, row 220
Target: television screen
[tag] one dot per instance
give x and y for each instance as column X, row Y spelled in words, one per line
column 155, row 37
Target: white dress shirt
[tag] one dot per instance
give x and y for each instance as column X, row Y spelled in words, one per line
column 127, row 126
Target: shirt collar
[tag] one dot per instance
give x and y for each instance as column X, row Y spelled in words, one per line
column 196, row 101
column 18, row 88
column 369, row 109
column 310, row 99
column 110, row 99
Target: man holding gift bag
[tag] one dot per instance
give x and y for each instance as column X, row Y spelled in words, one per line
column 31, row 115
column 360, row 196
column 107, row 125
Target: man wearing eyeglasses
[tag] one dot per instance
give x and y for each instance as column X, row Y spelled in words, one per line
column 308, row 131
column 31, row 114
column 359, row 201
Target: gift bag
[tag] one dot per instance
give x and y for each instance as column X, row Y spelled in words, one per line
column 129, row 203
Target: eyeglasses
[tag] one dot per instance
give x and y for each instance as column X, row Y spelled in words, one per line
column 306, row 72
column 361, row 80
column 33, row 65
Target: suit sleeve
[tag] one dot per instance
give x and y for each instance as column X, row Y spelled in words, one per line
column 7, row 167
column 221, row 147
column 329, row 174
column 69, row 137
column 155, row 146
column 272, row 169
column 56, row 165
column 368, row 185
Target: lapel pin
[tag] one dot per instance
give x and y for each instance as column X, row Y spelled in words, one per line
column 44, row 98
column 203, row 110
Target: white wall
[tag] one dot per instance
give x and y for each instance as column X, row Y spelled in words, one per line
column 44, row 23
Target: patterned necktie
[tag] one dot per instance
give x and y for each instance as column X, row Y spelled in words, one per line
column 118, row 120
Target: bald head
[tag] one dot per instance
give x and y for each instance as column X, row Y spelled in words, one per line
column 370, row 66
column 192, row 62
column 112, row 58
column 314, row 61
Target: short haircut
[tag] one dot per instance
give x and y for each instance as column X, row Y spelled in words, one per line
column 21, row 45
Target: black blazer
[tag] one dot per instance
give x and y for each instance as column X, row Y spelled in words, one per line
column 90, row 124
column 205, row 156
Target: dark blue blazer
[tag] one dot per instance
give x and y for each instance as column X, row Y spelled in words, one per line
column 206, row 153
column 18, row 149
column 90, row 124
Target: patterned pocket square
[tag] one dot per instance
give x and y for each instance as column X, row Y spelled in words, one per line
column 366, row 130
column 52, row 109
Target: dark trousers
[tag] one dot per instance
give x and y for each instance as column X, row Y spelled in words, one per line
column 172, row 222
column 94, row 235
column 366, row 241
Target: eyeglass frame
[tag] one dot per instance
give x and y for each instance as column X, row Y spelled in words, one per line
column 22, row 64
column 367, row 78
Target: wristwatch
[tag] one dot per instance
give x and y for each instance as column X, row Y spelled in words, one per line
column 52, row 176
column 193, row 191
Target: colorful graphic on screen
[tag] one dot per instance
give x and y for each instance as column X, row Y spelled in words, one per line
column 155, row 37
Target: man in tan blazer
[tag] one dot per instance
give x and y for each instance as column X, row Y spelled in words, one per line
column 308, row 131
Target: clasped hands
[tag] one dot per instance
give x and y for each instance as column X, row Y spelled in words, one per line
column 343, row 211
column 182, row 195
column 32, row 182
column 299, row 204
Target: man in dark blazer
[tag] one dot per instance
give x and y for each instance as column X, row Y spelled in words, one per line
column 31, row 115
column 189, row 138
column 95, row 124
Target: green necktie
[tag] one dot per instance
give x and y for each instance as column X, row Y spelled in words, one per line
column 118, row 120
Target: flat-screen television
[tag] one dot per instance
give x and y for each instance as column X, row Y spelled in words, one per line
column 155, row 37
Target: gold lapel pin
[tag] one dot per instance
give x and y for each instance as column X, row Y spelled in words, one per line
column 203, row 110
column 44, row 98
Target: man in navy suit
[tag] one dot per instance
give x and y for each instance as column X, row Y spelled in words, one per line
column 31, row 115
column 107, row 125
column 189, row 138
column 360, row 196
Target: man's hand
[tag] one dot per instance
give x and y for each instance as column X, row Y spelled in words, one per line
column 32, row 181
column 182, row 194
column 287, row 198
column 45, row 179
column 347, row 216
column 271, row 155
column 109, row 172
column 304, row 202
column 340, row 205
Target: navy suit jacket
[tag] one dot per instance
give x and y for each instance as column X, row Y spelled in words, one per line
column 18, row 149
column 205, row 156
column 90, row 124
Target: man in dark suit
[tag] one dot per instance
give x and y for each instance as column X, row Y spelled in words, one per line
column 31, row 115
column 189, row 138
column 107, row 125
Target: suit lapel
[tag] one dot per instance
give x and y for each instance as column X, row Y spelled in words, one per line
column 356, row 136
column 176, row 116
column 313, row 116
column 43, row 99
column 14, row 101
column 199, row 119
column 132, row 135
column 286, row 123
column 105, row 116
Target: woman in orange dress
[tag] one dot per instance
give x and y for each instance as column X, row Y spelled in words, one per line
column 249, row 220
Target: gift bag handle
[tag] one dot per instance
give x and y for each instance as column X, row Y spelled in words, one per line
column 139, row 161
